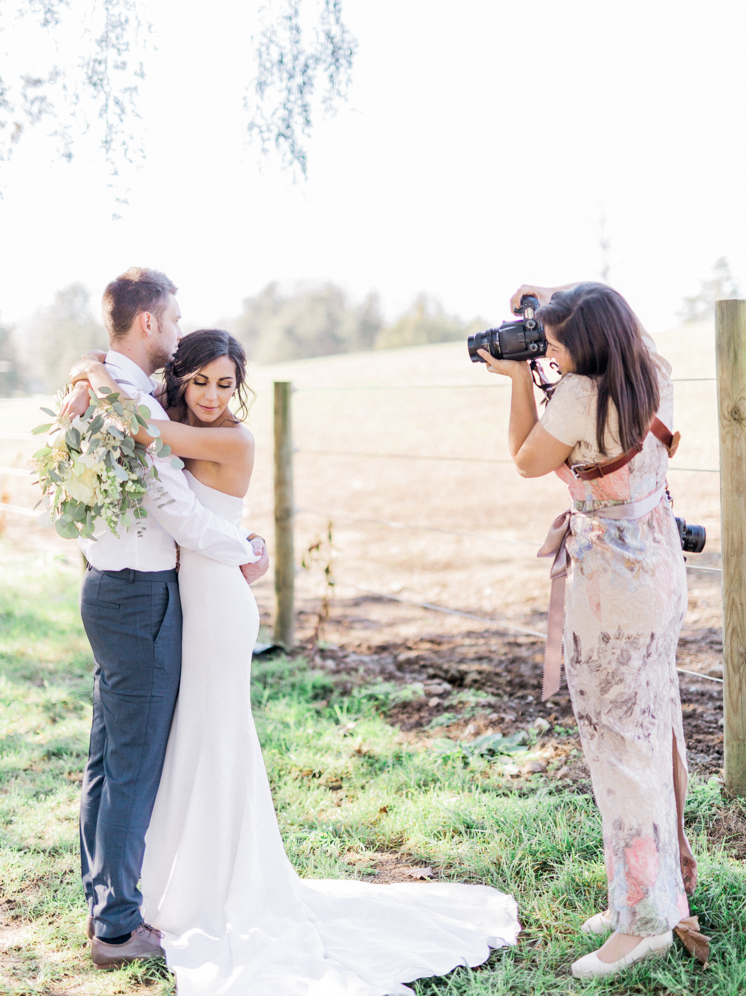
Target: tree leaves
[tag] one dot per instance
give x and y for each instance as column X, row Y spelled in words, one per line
column 290, row 66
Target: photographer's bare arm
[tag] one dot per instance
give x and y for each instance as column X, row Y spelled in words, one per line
column 533, row 450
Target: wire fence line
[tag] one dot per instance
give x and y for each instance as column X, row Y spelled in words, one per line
column 450, row 387
column 461, row 459
column 387, row 523
column 500, row 624
column 398, row 525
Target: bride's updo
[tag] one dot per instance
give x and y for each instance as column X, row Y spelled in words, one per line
column 196, row 350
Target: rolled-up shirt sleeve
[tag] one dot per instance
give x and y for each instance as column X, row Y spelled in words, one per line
column 175, row 507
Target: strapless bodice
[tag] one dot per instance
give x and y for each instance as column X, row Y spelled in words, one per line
column 226, row 506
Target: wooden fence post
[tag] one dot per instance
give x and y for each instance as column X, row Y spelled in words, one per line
column 730, row 346
column 284, row 517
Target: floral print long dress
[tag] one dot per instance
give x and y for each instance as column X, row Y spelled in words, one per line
column 625, row 604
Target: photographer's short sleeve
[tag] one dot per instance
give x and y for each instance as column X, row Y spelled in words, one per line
column 571, row 414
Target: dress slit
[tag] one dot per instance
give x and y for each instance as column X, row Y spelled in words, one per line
column 680, row 783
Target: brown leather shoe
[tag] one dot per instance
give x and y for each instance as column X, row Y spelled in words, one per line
column 144, row 944
column 90, row 933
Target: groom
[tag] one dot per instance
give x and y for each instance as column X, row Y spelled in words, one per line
column 132, row 617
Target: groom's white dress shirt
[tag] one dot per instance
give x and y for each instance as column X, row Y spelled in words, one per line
column 149, row 544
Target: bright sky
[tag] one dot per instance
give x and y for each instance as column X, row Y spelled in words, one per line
column 481, row 143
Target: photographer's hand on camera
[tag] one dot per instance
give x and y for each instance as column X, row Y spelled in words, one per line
column 508, row 368
column 542, row 294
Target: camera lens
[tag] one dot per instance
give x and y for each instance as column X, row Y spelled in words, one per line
column 481, row 340
column 693, row 538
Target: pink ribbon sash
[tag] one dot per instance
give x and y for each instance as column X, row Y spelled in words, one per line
column 556, row 543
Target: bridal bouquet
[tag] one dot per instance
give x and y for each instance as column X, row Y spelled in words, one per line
column 91, row 468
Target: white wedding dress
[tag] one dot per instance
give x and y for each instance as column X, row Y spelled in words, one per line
column 236, row 917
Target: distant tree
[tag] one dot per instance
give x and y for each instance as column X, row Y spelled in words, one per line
column 425, row 322
column 303, row 52
column 721, row 284
column 58, row 335
column 11, row 379
column 315, row 321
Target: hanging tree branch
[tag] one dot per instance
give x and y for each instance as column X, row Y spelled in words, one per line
column 77, row 93
column 290, row 71
column 304, row 56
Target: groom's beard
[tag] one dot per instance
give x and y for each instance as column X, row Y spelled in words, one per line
column 158, row 357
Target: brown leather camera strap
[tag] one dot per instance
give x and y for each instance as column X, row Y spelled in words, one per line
column 592, row 471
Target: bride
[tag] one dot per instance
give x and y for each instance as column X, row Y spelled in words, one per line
column 236, row 918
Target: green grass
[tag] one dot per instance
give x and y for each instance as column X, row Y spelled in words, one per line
column 347, row 785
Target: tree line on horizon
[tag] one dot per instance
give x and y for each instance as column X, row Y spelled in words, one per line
column 275, row 325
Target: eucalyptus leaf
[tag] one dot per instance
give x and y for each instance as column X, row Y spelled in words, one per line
column 37, row 431
column 48, row 411
column 177, row 463
column 66, row 528
column 105, row 390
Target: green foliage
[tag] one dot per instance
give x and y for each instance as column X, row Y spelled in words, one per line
column 425, row 322
column 722, row 284
column 12, row 380
column 57, row 336
column 91, row 468
column 315, row 321
column 291, row 63
column 319, row 321
column 91, row 82
column 350, row 790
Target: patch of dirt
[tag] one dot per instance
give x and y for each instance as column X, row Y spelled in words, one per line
column 479, row 681
column 728, row 827
column 385, row 867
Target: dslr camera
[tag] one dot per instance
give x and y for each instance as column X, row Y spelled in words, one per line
column 693, row 538
column 520, row 340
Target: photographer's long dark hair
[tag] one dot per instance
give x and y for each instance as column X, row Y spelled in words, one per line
column 603, row 337
column 195, row 351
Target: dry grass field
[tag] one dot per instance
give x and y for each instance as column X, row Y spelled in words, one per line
column 417, row 438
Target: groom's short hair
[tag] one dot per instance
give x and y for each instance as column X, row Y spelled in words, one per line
column 138, row 289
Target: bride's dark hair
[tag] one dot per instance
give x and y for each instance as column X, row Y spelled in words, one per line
column 195, row 351
column 603, row 337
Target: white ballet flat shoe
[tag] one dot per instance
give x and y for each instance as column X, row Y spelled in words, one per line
column 600, row 923
column 590, row 966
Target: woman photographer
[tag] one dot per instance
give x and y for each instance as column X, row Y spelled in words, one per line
column 626, row 598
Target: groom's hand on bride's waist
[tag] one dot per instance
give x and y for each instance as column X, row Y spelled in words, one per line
column 252, row 572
